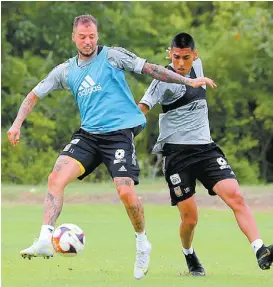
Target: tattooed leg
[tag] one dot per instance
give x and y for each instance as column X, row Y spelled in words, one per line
column 52, row 208
column 132, row 203
column 64, row 171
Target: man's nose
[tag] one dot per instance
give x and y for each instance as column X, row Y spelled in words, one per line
column 181, row 63
column 87, row 40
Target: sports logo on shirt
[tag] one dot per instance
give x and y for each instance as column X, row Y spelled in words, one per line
column 88, row 86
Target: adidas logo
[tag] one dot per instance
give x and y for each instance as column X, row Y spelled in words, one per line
column 88, row 86
column 122, row 168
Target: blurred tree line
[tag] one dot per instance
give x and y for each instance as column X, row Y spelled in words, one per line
column 234, row 40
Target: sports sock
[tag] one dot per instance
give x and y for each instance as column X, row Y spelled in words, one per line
column 46, row 232
column 257, row 244
column 141, row 241
column 187, row 251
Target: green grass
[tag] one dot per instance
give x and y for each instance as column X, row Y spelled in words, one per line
column 159, row 185
column 82, row 187
column 110, row 249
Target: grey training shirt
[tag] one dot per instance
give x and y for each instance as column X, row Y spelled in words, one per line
column 185, row 124
column 57, row 78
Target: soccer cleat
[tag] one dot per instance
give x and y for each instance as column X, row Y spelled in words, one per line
column 40, row 248
column 194, row 265
column 142, row 262
column 265, row 257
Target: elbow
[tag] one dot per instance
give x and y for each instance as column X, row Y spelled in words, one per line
column 33, row 97
column 144, row 108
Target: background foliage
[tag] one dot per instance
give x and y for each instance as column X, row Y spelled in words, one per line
column 234, row 40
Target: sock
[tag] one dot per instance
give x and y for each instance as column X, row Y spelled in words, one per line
column 141, row 241
column 187, row 251
column 257, row 244
column 46, row 232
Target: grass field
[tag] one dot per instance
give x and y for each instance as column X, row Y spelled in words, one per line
column 110, row 249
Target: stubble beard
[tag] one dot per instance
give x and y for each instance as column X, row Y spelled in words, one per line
column 87, row 55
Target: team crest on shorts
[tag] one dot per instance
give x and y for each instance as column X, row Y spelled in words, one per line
column 178, row 192
column 175, row 178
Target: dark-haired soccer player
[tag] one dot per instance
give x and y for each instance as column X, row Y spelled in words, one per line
column 110, row 119
column 190, row 153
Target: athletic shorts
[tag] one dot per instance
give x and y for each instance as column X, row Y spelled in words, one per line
column 115, row 149
column 183, row 164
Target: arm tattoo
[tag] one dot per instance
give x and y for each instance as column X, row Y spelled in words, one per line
column 52, row 208
column 162, row 74
column 26, row 107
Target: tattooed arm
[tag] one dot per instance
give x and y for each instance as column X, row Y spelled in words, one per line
column 25, row 109
column 162, row 74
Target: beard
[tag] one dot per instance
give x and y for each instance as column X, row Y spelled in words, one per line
column 87, row 54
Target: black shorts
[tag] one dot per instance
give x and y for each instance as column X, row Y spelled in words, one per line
column 183, row 164
column 115, row 149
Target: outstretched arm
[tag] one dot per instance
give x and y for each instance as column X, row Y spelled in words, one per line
column 55, row 80
column 162, row 74
column 26, row 107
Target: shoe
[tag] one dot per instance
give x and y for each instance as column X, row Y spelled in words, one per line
column 265, row 257
column 40, row 248
column 194, row 265
column 142, row 262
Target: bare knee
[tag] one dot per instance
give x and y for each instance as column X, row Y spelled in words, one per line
column 125, row 190
column 55, row 181
column 188, row 212
column 236, row 200
column 229, row 191
column 125, row 194
column 189, row 220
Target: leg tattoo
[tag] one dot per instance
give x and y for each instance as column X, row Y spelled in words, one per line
column 136, row 215
column 52, row 208
column 131, row 202
column 59, row 163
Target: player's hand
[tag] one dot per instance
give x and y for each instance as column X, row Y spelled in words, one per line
column 198, row 82
column 14, row 135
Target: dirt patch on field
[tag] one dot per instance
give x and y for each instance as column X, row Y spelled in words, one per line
column 256, row 201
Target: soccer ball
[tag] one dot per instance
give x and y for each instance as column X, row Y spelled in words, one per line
column 68, row 239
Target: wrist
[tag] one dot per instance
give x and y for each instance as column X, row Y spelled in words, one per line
column 187, row 81
column 16, row 124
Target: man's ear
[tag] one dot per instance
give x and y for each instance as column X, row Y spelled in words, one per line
column 195, row 55
column 73, row 36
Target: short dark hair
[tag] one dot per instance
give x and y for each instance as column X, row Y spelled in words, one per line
column 183, row 40
column 84, row 19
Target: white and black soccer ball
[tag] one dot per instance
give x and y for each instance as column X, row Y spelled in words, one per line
column 68, row 239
